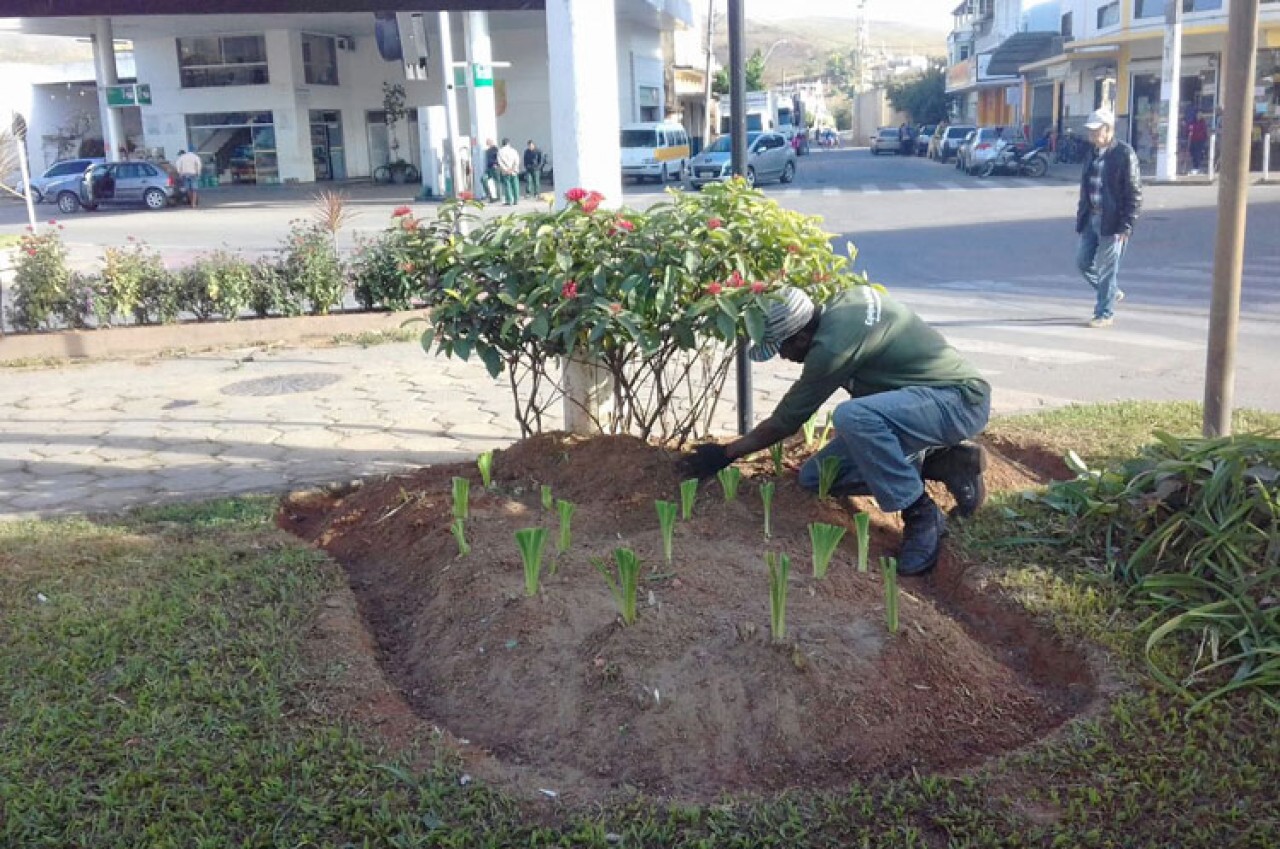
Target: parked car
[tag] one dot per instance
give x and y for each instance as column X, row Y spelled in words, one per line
column 885, row 139
column 56, row 173
column 979, row 148
column 923, row 139
column 769, row 157
column 153, row 185
column 947, row 139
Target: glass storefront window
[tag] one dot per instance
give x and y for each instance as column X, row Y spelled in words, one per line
column 320, row 59
column 211, row 61
column 239, row 147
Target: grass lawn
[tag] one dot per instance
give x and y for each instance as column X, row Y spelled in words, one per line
column 156, row 691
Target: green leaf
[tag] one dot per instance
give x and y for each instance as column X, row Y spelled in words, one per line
column 492, row 359
column 755, row 322
column 540, row 326
column 727, row 326
column 428, row 336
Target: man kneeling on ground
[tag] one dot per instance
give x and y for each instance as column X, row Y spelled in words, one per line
column 915, row 400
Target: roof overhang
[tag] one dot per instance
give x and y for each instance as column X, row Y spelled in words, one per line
column 113, row 8
column 1022, row 48
column 1104, row 54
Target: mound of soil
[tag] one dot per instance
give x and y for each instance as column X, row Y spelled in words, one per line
column 694, row 698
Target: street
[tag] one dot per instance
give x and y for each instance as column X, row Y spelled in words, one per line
column 988, row 261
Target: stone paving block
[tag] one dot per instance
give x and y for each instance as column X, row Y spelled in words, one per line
column 128, row 481
column 309, row 438
column 190, row 480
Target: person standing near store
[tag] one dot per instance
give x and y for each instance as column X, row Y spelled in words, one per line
column 1198, row 141
column 189, row 166
column 490, row 170
column 1110, row 200
column 533, row 161
column 509, row 173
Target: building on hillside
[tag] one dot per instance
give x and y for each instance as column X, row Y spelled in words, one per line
column 686, row 51
column 279, row 97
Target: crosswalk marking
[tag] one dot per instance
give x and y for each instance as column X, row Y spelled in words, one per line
column 1036, row 354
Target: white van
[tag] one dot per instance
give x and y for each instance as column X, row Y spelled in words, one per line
column 654, row 151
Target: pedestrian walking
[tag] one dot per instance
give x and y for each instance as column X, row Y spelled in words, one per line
column 189, row 165
column 509, row 173
column 1110, row 200
column 1198, row 140
column 915, row 402
column 490, row 170
column 533, row 162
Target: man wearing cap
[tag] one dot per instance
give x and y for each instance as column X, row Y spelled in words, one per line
column 1110, row 198
column 915, row 401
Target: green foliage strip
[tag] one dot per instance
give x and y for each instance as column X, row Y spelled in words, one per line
column 623, row 588
column 530, row 542
column 729, row 477
column 779, row 571
column 688, row 493
column 667, row 522
column 825, row 538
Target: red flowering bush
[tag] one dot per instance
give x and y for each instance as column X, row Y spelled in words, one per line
column 46, row 292
column 658, row 298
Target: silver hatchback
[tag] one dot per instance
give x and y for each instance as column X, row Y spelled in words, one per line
column 769, row 157
column 149, row 184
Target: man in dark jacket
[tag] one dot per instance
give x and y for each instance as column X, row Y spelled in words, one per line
column 491, row 173
column 915, row 400
column 533, row 160
column 1110, row 199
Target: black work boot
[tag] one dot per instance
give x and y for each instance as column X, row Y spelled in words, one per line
column 960, row 467
column 923, row 525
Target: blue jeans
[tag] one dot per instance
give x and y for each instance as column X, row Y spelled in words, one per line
column 1098, row 259
column 881, row 440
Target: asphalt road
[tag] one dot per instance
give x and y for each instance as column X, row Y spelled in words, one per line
column 990, row 261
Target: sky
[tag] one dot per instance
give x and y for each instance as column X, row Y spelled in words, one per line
column 931, row 13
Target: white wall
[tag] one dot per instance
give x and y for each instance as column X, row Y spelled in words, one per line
column 639, row 64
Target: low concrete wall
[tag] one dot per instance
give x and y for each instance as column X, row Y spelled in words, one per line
column 133, row 341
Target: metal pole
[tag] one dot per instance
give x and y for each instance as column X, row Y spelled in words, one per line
column 738, row 146
column 1228, row 254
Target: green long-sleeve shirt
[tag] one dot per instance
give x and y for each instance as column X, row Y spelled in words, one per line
column 867, row 343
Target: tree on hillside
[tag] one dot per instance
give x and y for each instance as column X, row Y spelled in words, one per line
column 755, row 75
column 924, row 98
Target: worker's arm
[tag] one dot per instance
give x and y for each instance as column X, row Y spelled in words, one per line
column 710, row 458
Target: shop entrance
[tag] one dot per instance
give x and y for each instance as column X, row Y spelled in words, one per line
column 237, row 147
column 328, row 153
column 1197, row 94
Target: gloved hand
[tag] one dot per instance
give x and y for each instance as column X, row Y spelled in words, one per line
column 705, row 460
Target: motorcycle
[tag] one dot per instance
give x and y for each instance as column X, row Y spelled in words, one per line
column 1018, row 160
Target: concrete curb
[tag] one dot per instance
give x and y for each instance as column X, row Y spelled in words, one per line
column 117, row 342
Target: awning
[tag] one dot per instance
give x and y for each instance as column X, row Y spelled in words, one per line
column 1023, row 48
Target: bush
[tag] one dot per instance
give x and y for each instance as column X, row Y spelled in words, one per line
column 311, row 267
column 269, row 292
column 41, row 280
column 135, row 283
column 218, row 284
column 658, row 299
column 384, row 270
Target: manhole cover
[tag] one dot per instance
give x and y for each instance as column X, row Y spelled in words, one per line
column 282, row 384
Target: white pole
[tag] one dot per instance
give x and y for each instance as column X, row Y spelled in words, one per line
column 1170, row 90
column 480, row 97
column 20, row 141
column 450, row 102
column 104, row 60
column 1213, row 151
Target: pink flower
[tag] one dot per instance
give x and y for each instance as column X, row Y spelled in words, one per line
column 31, row 251
column 714, row 223
column 793, row 249
column 401, row 211
column 466, row 195
column 569, row 290
column 615, row 307
column 407, row 268
column 714, row 289
column 53, row 222
column 409, row 223
column 575, row 195
column 129, row 239
column 757, row 288
column 735, row 280
column 624, row 224
column 591, row 202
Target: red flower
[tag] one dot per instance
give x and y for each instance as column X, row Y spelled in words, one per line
column 401, row 211
column 624, row 224
column 53, row 222
column 615, row 307
column 714, row 289
column 569, row 290
column 757, row 288
column 575, row 195
column 407, row 268
column 409, row 223
column 714, row 223
column 466, row 195
column 735, row 280
column 31, row 251
column 793, row 249
column 591, row 202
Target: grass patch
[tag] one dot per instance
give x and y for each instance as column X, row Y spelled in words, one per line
column 370, row 338
column 155, row 691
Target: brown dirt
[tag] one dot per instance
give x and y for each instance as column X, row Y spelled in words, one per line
column 693, row 699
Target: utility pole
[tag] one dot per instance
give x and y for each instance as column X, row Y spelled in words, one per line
column 738, row 148
column 706, row 93
column 1233, row 186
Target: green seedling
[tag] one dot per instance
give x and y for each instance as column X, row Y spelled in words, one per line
column 623, row 588
column 548, row 502
column 461, row 496
column 460, row 535
column 810, row 429
column 828, row 471
column 775, row 451
column 889, row 569
column 530, row 541
column 565, row 510
column 862, row 527
column 779, row 570
column 827, row 428
column 485, row 462
column 688, row 492
column 667, row 521
column 825, row 538
column 729, row 478
column 766, row 498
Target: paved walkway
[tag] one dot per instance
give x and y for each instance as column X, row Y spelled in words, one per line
column 107, row 435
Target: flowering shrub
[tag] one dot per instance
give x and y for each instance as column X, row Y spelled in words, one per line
column 385, row 270
column 135, row 282
column 269, row 292
column 311, row 267
column 656, row 298
column 218, row 284
column 41, row 283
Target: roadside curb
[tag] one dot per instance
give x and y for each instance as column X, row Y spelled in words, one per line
column 115, row 342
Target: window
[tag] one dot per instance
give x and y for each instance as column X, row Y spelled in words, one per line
column 210, row 61
column 1066, row 25
column 649, row 103
column 320, row 59
column 1109, row 15
column 237, row 146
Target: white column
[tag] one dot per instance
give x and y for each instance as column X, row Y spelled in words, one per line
column 582, row 61
column 1170, row 91
column 450, row 101
column 480, row 99
column 104, row 66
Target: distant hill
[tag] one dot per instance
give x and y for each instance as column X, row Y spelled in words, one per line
column 808, row 42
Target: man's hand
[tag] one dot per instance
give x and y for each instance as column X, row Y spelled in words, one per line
column 705, row 460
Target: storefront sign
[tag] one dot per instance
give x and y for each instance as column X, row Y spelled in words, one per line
column 688, row 81
column 962, row 75
column 129, row 95
column 482, row 74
